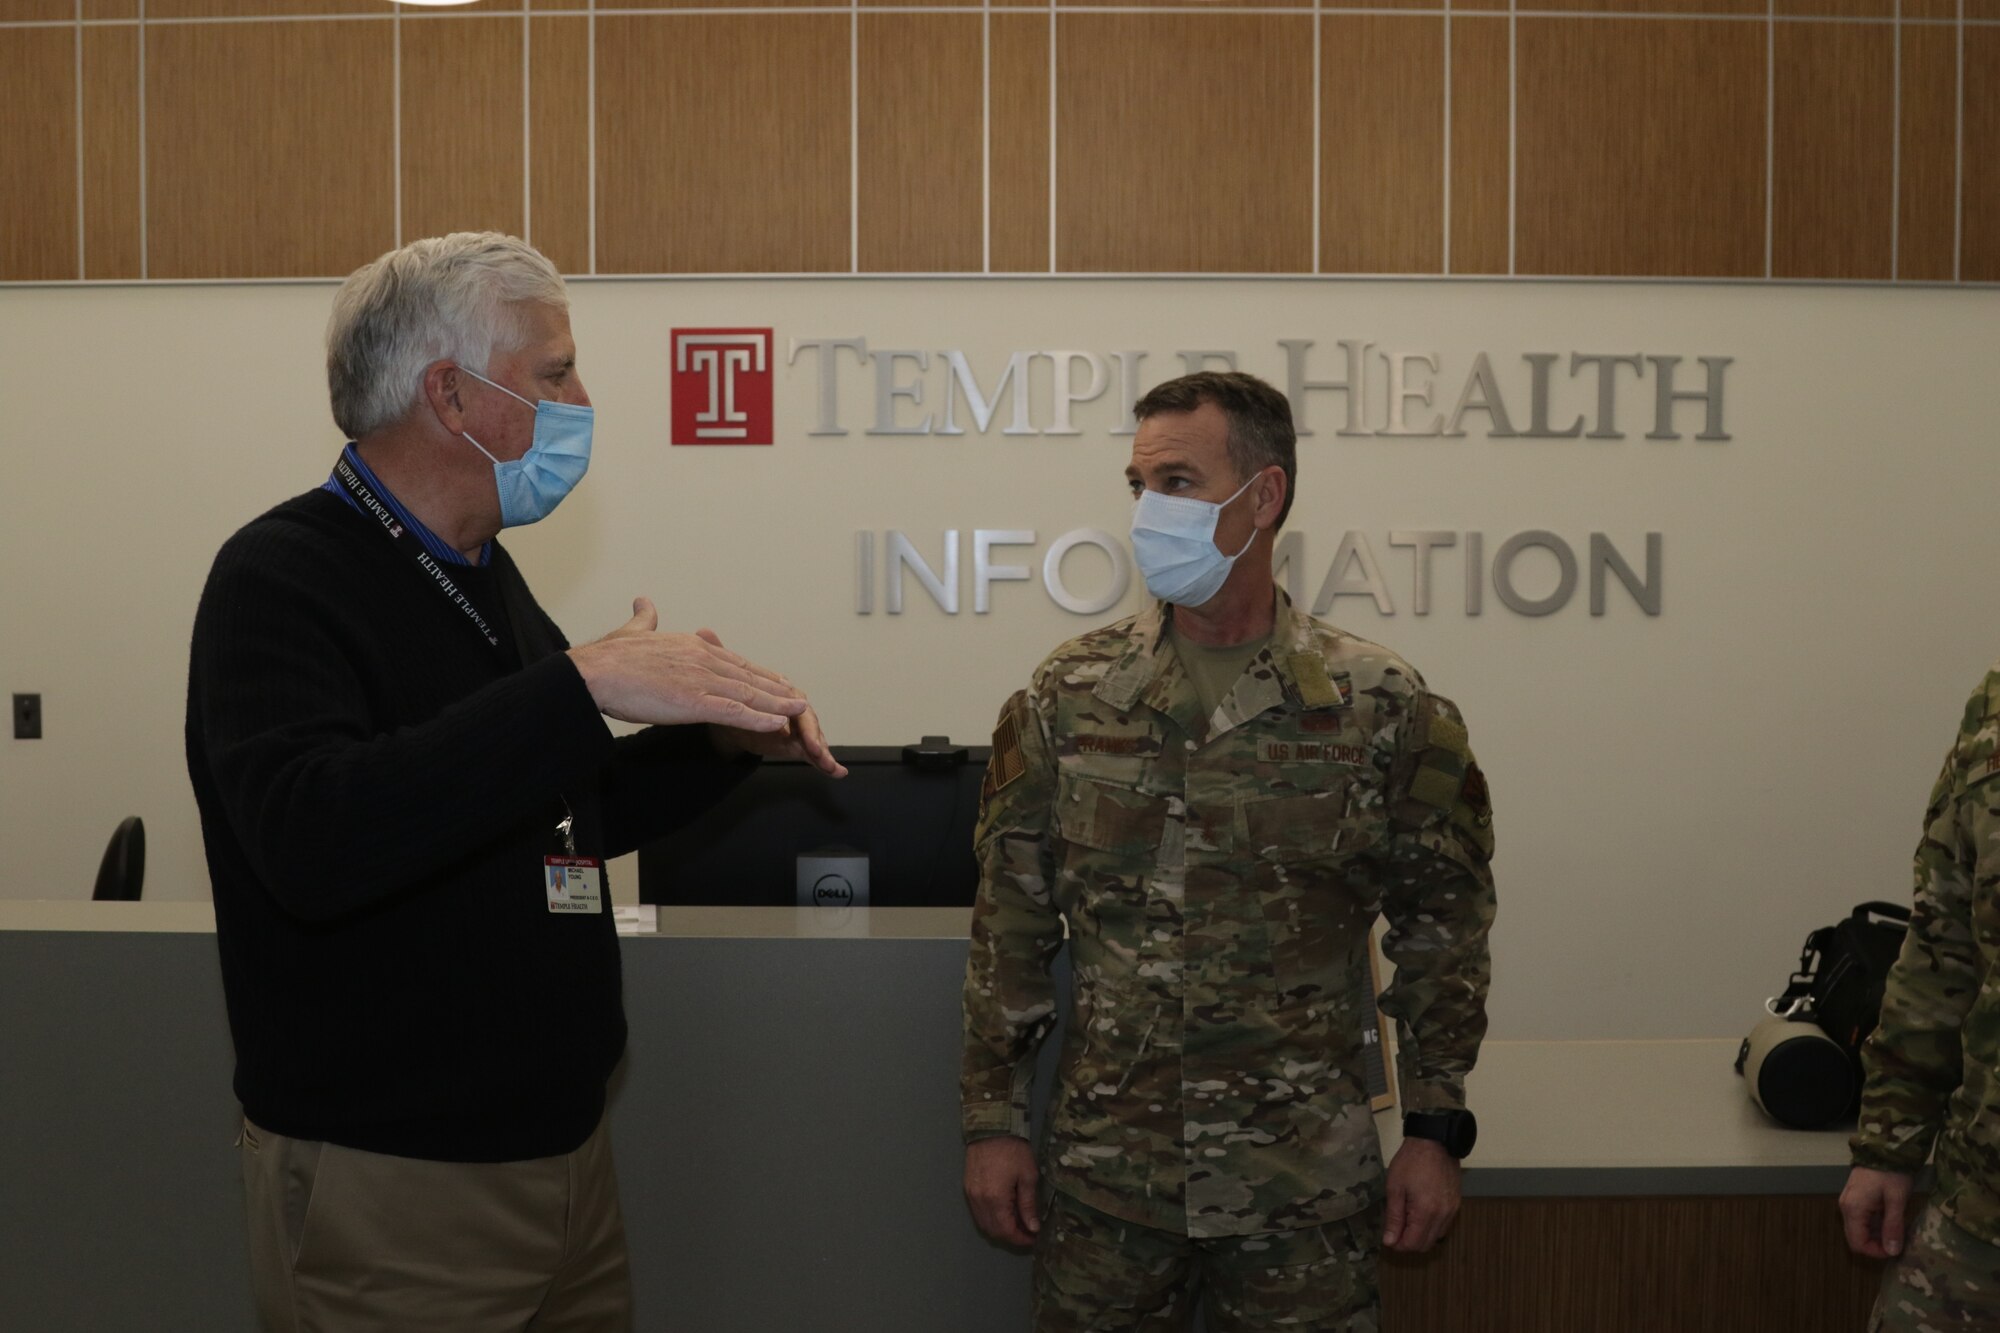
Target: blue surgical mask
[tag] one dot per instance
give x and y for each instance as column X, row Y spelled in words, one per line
column 532, row 485
column 1173, row 539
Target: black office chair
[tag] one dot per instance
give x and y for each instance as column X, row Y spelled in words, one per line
column 123, row 871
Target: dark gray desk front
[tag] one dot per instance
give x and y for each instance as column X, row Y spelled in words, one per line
column 786, row 1132
column 784, row 1125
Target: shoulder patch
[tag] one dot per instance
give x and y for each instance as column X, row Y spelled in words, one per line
column 1007, row 763
column 1448, row 734
column 1435, row 788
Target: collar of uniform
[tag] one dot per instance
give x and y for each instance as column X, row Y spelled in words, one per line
column 1150, row 675
column 1146, row 674
column 1300, row 662
column 1132, row 673
column 1292, row 636
column 1289, row 670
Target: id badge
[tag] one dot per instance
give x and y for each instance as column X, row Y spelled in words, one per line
column 574, row 883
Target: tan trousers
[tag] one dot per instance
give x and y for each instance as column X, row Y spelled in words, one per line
column 343, row 1241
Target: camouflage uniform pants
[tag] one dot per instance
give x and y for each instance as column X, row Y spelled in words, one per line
column 1097, row 1274
column 1947, row 1281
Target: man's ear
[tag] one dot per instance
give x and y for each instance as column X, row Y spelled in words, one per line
column 444, row 387
column 1270, row 496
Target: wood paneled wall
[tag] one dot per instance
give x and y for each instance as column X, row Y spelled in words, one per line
column 1687, row 1264
column 1781, row 139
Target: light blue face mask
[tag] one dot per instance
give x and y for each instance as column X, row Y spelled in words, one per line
column 1173, row 540
column 532, row 485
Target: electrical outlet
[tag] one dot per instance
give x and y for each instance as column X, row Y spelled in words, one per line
column 27, row 717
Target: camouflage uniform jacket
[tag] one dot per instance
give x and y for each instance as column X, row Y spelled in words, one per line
column 1218, row 877
column 1933, row 1064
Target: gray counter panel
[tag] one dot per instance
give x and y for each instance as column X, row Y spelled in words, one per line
column 120, row 1203
column 785, row 1125
column 786, row 1136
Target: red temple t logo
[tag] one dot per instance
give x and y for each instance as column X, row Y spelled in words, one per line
column 722, row 386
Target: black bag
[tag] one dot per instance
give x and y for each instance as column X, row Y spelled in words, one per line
column 1842, row 971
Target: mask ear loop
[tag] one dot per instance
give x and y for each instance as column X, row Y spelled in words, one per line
column 1232, row 500
column 503, row 389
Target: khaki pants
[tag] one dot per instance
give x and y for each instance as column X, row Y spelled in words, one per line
column 1097, row 1274
column 343, row 1241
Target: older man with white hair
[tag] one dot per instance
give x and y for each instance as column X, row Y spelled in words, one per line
column 408, row 793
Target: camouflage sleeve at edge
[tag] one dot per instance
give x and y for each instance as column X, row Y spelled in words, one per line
column 1009, row 1002
column 1912, row 1062
column 1438, row 898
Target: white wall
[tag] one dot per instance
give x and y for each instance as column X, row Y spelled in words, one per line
column 1679, row 798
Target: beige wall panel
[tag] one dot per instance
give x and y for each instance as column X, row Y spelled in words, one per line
column 269, row 148
column 1927, row 202
column 1020, row 170
column 111, row 152
column 1833, row 144
column 1979, row 256
column 921, row 114
column 1170, row 164
column 38, row 153
column 1640, row 148
column 37, row 11
column 722, row 144
column 1478, row 146
column 1652, row 6
column 462, row 137
column 1381, row 144
column 559, row 141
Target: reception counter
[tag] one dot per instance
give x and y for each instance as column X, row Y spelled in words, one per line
column 785, row 1124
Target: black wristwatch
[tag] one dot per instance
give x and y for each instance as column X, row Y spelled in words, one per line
column 1456, row 1130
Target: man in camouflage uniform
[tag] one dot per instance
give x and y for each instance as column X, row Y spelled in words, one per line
column 1933, row 1063
column 1213, row 800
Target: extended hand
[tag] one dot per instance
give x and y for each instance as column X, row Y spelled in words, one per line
column 1873, row 1209
column 637, row 674
column 1000, row 1178
column 801, row 738
column 1423, row 1196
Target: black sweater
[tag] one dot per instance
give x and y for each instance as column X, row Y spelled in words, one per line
column 378, row 787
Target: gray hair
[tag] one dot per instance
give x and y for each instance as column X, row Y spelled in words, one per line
column 444, row 298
